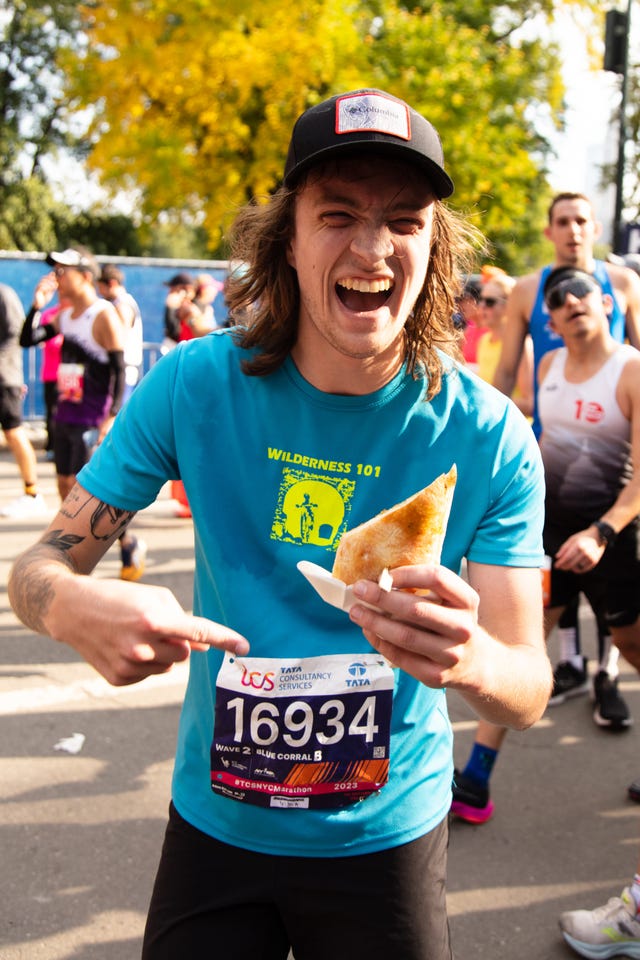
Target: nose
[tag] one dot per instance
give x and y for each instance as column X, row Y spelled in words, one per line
column 571, row 299
column 372, row 243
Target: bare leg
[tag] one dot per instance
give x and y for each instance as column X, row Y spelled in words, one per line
column 24, row 454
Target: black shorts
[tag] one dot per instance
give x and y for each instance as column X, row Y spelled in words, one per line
column 11, row 402
column 215, row 900
column 69, row 448
column 612, row 587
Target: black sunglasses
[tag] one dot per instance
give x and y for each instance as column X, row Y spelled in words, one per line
column 491, row 301
column 576, row 286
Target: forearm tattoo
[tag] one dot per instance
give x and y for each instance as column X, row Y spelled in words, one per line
column 30, row 588
column 106, row 522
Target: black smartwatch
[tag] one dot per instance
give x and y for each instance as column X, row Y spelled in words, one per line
column 606, row 533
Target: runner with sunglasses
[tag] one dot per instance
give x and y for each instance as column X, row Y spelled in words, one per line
column 573, row 230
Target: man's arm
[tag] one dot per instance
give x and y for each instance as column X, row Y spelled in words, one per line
column 125, row 312
column 109, row 332
column 127, row 631
column 483, row 638
column 519, row 306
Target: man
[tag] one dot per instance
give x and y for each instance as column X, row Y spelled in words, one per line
column 589, row 401
column 573, row 230
column 91, row 372
column 111, row 287
column 31, row 503
column 313, row 779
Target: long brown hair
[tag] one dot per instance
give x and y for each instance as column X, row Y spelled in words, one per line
column 265, row 289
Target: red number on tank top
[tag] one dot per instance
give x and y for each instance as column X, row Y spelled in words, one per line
column 591, row 412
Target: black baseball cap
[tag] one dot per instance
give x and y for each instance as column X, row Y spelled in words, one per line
column 361, row 122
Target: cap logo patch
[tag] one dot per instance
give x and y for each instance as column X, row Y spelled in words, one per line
column 374, row 112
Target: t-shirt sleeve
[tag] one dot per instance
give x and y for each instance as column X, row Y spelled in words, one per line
column 138, row 456
column 510, row 532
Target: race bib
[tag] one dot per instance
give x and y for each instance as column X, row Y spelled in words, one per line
column 70, row 381
column 310, row 734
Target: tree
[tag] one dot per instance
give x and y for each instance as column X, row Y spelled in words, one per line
column 196, row 108
column 29, row 215
column 192, row 104
column 36, row 122
column 33, row 108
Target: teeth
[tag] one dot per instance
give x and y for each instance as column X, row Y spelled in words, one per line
column 366, row 286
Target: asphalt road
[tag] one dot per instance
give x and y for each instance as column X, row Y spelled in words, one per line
column 81, row 832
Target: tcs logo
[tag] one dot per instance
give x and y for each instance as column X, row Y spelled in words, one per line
column 257, row 680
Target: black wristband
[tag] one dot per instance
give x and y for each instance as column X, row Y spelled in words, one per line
column 606, row 533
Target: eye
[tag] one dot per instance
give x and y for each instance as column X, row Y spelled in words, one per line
column 405, row 225
column 337, row 218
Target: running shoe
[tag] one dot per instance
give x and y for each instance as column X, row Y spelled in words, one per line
column 24, row 506
column 470, row 799
column 610, row 710
column 609, row 931
column 133, row 558
column 568, row 681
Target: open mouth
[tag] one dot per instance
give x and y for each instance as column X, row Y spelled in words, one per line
column 363, row 296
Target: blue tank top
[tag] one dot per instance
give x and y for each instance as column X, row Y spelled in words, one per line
column 544, row 339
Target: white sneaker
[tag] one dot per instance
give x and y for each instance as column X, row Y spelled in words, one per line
column 609, row 931
column 24, row 506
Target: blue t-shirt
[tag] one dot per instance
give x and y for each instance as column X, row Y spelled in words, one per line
column 275, row 471
column 545, row 339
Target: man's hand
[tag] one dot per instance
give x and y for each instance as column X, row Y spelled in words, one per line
column 432, row 637
column 581, row 552
column 129, row 631
column 44, row 291
column 483, row 637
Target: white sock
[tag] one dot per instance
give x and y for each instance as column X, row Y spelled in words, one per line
column 609, row 658
column 568, row 639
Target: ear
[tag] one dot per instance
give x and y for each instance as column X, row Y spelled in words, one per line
column 607, row 303
column 291, row 257
column 547, row 232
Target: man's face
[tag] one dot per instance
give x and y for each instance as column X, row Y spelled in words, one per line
column 106, row 290
column 578, row 310
column 361, row 245
column 72, row 281
column 573, row 231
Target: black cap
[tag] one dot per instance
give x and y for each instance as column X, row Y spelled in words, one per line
column 181, row 280
column 366, row 121
column 74, row 258
column 560, row 274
